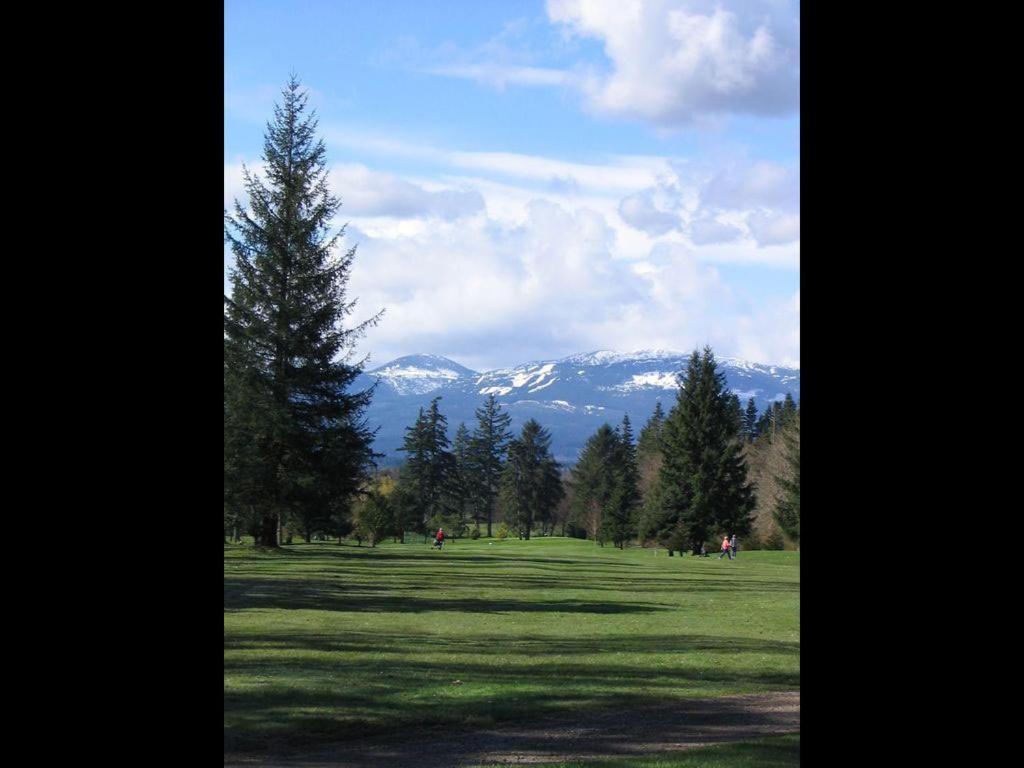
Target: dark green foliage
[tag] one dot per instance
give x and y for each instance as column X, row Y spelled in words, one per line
column 296, row 445
column 704, row 474
column 486, row 454
column 428, row 471
column 460, row 484
column 650, row 436
column 618, row 519
column 530, row 487
column 750, row 420
column 737, row 412
column 787, row 507
column 593, row 482
column 374, row 518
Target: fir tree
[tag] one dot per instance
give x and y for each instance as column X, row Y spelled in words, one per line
column 594, row 482
column 750, row 420
column 787, row 506
column 788, row 410
column 650, row 436
column 620, row 511
column 296, row 443
column 530, row 487
column 429, row 467
column 704, row 474
column 487, row 452
column 460, row 483
column 737, row 412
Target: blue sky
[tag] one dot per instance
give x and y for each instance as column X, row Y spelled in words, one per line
column 525, row 180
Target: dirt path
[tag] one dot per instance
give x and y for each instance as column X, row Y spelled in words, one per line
column 589, row 735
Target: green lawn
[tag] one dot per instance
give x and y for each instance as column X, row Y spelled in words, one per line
column 325, row 641
column 771, row 752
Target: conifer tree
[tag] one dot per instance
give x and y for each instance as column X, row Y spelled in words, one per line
column 737, row 412
column 530, row 487
column 594, row 482
column 620, row 512
column 650, row 436
column 296, row 442
column 750, row 420
column 487, row 452
column 429, row 467
column 460, row 483
column 704, row 473
column 788, row 410
column 787, row 506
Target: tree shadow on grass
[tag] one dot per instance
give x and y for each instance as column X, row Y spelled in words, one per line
column 324, row 595
column 279, row 718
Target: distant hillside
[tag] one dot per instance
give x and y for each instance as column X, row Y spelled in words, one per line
column 572, row 397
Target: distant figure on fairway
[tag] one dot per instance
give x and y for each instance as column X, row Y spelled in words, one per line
column 439, row 539
column 732, row 545
column 703, row 550
column 725, row 548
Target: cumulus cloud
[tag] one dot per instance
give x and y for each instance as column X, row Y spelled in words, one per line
column 640, row 211
column 550, row 285
column 753, row 185
column 707, row 230
column 674, row 61
column 774, row 228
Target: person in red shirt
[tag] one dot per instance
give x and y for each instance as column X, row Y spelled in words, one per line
column 725, row 549
column 439, row 539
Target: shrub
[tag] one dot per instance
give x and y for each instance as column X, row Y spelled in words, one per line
column 502, row 531
column 774, row 539
column 474, row 534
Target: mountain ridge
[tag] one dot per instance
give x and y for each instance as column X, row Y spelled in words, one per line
column 571, row 396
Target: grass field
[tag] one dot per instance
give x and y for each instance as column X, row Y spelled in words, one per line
column 324, row 642
column 772, row 752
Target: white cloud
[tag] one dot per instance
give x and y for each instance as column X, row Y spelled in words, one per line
column 674, row 61
column 707, row 230
column 752, row 185
column 553, row 284
column 774, row 228
column 640, row 210
column 373, row 193
column 367, row 192
column 499, row 76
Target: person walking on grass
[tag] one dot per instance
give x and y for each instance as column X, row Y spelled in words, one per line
column 732, row 545
column 439, row 539
column 725, row 548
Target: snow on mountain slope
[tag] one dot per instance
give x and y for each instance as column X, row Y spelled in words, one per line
column 420, row 374
column 572, row 397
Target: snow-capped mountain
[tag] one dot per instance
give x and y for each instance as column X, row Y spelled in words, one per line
column 420, row 374
column 572, row 396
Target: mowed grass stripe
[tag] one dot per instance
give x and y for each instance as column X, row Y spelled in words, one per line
column 325, row 642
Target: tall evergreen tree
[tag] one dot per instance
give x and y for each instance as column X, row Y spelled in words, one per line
column 429, row 467
column 750, row 420
column 787, row 506
column 649, row 442
column 296, row 442
column 487, row 452
column 531, row 487
column 704, row 473
column 788, row 409
column 594, row 482
column 737, row 412
column 620, row 513
column 460, row 487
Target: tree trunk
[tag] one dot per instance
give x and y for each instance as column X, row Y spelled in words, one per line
column 267, row 531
